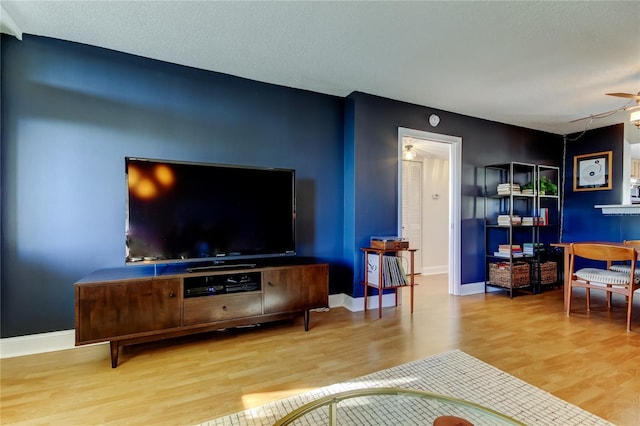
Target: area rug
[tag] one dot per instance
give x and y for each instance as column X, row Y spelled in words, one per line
column 454, row 374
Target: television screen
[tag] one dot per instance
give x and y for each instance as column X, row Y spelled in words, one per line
column 181, row 212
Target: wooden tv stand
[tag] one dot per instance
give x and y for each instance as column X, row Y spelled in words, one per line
column 125, row 306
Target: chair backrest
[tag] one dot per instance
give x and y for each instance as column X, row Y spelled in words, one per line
column 604, row 252
column 632, row 243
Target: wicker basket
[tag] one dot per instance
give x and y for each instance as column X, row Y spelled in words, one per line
column 500, row 274
column 548, row 272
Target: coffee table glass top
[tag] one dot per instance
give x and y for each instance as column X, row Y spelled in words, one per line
column 393, row 406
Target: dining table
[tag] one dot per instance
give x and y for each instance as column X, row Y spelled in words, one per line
column 567, row 263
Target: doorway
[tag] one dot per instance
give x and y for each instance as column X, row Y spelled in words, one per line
column 429, row 201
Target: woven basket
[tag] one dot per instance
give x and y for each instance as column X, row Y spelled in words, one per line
column 500, row 274
column 548, row 272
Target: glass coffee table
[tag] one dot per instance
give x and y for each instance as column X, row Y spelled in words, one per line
column 393, row 406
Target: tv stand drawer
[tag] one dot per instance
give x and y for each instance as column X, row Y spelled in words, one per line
column 200, row 310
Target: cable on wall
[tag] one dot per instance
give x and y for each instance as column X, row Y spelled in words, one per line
column 564, row 174
column 566, row 139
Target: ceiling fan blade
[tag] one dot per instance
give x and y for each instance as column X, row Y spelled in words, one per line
column 625, row 95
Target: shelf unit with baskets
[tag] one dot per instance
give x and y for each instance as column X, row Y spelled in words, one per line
column 520, row 223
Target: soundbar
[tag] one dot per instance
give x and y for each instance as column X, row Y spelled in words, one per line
column 221, row 266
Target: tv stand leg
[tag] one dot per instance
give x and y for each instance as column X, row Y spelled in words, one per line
column 115, row 349
column 306, row 320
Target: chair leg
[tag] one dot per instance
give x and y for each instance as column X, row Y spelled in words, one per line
column 588, row 299
column 609, row 297
column 569, row 299
column 629, row 309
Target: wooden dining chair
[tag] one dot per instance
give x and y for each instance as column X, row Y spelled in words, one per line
column 633, row 243
column 624, row 267
column 624, row 283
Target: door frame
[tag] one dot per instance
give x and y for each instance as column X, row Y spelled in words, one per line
column 455, row 196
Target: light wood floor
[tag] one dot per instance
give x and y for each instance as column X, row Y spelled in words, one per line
column 586, row 359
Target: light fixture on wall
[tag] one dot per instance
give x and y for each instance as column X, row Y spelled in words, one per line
column 409, row 153
column 635, row 118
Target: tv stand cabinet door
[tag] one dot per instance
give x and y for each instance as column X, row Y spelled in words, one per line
column 296, row 288
column 106, row 311
column 316, row 281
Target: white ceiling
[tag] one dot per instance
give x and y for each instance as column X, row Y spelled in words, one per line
column 536, row 64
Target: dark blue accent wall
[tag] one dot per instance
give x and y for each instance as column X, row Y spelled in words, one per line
column 373, row 188
column 583, row 222
column 71, row 113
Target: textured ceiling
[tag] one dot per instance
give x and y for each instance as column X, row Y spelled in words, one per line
column 532, row 64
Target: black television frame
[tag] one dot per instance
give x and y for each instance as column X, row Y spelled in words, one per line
column 218, row 259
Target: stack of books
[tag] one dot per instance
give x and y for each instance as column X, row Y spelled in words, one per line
column 509, row 188
column 529, row 249
column 506, row 220
column 509, row 250
column 527, row 221
column 529, row 191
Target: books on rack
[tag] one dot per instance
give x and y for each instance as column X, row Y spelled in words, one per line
column 530, row 249
column 506, row 220
column 544, row 216
column 508, row 188
column 527, row 248
column 507, row 255
column 393, row 272
column 527, row 221
column 506, row 248
column 509, row 250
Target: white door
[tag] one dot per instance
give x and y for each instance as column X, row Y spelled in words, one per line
column 412, row 177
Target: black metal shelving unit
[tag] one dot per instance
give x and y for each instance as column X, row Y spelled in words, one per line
column 519, row 226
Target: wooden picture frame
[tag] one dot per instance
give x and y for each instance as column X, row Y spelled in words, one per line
column 592, row 172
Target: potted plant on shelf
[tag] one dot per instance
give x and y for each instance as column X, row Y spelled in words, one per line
column 547, row 187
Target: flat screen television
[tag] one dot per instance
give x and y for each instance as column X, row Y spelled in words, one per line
column 196, row 212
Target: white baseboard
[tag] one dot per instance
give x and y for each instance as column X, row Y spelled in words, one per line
column 337, row 300
column 471, row 288
column 357, row 304
column 37, row 343
column 475, row 288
